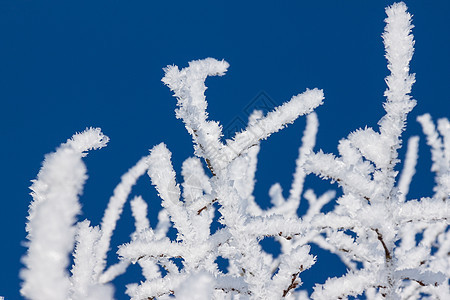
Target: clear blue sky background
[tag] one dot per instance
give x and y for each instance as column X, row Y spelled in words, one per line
column 67, row 65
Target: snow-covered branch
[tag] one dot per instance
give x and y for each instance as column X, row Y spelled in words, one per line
column 52, row 216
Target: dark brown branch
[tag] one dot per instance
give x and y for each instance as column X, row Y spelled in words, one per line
column 387, row 254
column 421, row 283
column 206, row 206
column 157, row 256
column 233, row 290
column 208, row 162
column 286, row 237
column 162, row 294
column 293, row 283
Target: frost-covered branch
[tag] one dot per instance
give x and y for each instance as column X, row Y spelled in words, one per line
column 114, row 210
column 188, row 86
column 365, row 170
column 52, row 215
column 440, row 153
column 409, row 167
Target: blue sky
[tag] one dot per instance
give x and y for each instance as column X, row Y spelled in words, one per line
column 67, row 65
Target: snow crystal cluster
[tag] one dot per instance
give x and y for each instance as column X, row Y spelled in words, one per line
column 372, row 228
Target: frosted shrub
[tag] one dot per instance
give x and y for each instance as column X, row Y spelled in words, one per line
column 372, row 227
